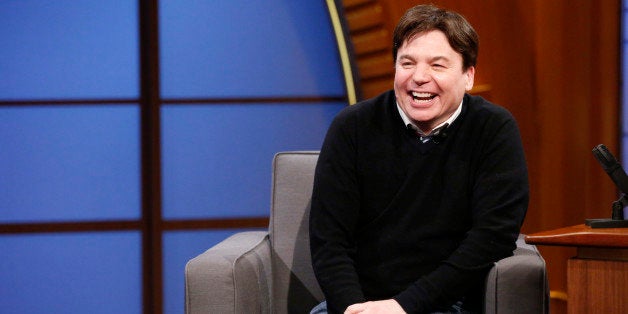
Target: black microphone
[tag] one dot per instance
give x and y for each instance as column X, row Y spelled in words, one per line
column 612, row 167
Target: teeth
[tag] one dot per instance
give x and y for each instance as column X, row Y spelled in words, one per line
column 421, row 95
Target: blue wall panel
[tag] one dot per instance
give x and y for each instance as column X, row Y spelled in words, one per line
column 624, row 87
column 69, row 49
column 624, row 97
column 69, row 163
column 82, row 163
column 217, row 159
column 71, row 273
column 248, row 49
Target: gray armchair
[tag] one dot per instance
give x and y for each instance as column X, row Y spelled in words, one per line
column 270, row 272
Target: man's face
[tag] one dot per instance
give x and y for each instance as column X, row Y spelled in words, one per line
column 429, row 80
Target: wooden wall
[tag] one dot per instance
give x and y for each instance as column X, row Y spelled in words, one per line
column 555, row 66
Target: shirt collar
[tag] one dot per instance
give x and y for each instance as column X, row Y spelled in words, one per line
column 407, row 122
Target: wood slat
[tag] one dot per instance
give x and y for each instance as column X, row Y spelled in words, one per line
column 373, row 41
column 376, row 66
column 596, row 286
column 351, row 4
column 79, row 226
column 366, row 17
column 374, row 87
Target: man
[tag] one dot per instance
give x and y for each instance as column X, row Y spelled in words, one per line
column 419, row 190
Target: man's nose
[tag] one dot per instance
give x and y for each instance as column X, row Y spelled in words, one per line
column 421, row 75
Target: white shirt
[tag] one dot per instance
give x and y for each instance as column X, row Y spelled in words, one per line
column 426, row 137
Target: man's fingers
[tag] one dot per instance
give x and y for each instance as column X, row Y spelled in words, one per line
column 355, row 308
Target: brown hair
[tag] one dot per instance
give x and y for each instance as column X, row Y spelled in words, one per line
column 422, row 18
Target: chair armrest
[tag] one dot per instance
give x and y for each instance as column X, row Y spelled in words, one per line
column 232, row 277
column 518, row 284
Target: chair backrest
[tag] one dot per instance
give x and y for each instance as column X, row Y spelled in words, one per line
column 294, row 287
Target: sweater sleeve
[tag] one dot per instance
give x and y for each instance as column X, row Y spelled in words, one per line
column 499, row 202
column 333, row 218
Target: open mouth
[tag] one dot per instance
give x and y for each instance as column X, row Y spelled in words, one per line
column 423, row 97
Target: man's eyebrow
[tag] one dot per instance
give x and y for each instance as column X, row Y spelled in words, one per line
column 439, row 58
column 405, row 56
column 431, row 59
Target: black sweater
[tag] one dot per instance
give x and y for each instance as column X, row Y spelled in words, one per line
column 393, row 217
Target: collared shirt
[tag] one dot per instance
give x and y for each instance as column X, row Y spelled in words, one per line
column 426, row 137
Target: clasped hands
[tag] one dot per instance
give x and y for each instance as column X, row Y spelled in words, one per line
column 376, row 307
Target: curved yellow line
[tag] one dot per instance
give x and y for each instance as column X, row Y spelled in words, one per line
column 344, row 52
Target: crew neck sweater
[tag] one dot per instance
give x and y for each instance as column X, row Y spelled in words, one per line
column 393, row 217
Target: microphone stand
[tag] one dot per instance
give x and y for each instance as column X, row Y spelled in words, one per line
column 617, row 216
column 615, row 171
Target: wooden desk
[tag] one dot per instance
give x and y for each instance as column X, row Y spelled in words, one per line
column 597, row 277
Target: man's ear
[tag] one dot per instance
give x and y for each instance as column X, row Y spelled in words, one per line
column 470, row 74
